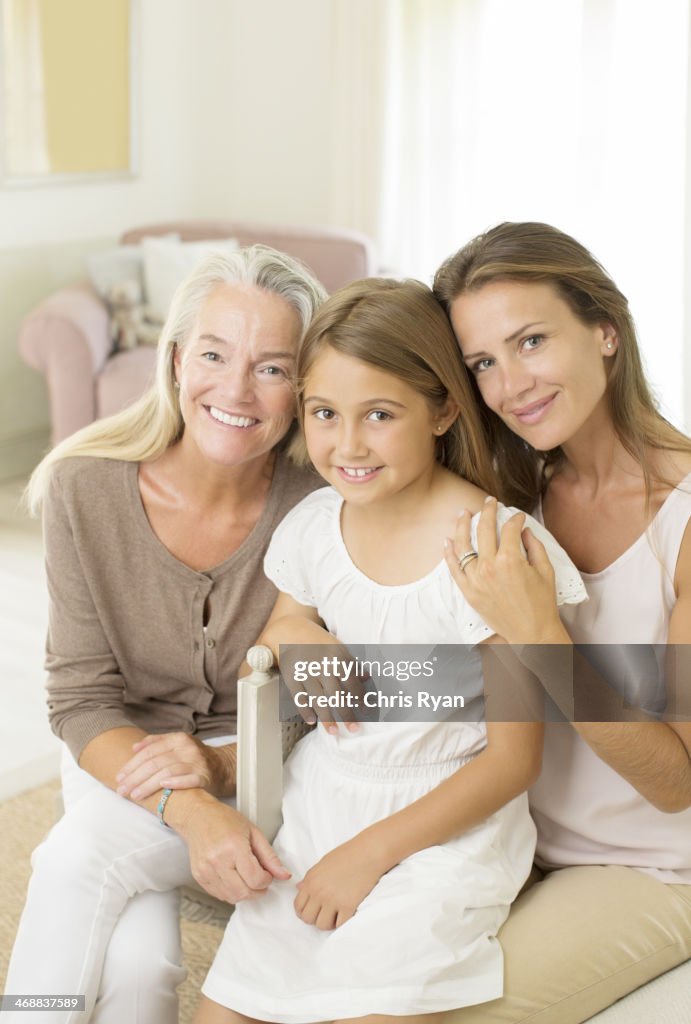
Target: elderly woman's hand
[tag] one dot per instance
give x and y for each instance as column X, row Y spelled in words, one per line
column 177, row 761
column 513, row 590
column 229, row 856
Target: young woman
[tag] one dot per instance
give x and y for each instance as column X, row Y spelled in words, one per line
column 550, row 345
column 156, row 522
column 406, row 840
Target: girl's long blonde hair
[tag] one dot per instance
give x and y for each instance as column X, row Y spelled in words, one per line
column 399, row 327
column 541, row 253
column 145, row 429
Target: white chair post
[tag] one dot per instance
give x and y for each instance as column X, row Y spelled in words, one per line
column 260, row 757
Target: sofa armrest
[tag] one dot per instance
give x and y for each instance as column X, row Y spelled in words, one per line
column 67, row 339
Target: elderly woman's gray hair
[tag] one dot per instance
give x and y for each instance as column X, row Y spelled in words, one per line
column 145, row 429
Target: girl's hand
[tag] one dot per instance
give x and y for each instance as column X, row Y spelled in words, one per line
column 177, row 761
column 229, row 857
column 335, row 886
column 514, row 594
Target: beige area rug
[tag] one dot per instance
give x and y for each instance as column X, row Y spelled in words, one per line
column 24, row 820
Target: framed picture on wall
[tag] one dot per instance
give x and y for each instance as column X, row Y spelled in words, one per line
column 67, row 84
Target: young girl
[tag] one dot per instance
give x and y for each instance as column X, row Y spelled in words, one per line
column 406, row 841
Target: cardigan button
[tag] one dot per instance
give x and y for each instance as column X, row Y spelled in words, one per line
column 210, row 643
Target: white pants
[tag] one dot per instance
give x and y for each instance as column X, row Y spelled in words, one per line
column 101, row 915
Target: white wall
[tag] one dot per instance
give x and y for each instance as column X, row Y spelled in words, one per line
column 238, row 112
column 234, row 101
column 279, row 151
column 181, row 45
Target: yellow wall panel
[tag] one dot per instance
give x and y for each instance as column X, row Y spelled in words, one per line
column 67, row 84
column 85, row 49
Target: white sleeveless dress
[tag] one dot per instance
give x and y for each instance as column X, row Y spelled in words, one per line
column 424, row 939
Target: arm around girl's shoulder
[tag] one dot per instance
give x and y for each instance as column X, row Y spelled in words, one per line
column 519, row 577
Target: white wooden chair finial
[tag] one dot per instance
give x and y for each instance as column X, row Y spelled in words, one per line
column 260, row 658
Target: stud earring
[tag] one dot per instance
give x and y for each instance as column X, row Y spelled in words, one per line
column 176, row 385
column 610, row 344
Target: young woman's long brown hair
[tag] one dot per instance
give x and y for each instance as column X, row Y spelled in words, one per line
column 399, row 327
column 539, row 252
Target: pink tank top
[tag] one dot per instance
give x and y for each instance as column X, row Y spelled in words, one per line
column 584, row 811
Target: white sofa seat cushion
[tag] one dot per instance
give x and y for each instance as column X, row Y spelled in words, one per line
column 664, row 1000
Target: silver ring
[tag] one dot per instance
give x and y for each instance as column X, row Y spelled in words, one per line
column 468, row 556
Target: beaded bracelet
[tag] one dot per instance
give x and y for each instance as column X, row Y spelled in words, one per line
column 162, row 806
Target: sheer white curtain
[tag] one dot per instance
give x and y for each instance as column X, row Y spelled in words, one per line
column 24, row 106
column 572, row 112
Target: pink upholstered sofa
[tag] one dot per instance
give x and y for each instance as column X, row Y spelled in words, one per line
column 67, row 337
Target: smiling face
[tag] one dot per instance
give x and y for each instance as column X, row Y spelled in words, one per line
column 537, row 366
column 369, row 434
column 235, row 371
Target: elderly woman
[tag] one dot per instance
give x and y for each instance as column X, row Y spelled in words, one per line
column 156, row 522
